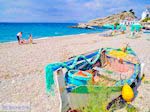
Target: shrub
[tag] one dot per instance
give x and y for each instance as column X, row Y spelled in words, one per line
column 116, row 24
column 146, row 19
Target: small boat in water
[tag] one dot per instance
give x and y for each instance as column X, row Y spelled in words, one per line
column 105, row 67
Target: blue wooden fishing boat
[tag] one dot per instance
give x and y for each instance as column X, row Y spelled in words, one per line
column 110, row 67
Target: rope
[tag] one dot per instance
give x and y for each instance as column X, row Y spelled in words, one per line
column 54, row 66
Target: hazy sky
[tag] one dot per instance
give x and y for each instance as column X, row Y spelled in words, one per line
column 65, row 10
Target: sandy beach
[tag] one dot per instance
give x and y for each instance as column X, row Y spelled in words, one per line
column 22, row 67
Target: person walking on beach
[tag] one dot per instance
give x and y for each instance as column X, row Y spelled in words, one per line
column 19, row 36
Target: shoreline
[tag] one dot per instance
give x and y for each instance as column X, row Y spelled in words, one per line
column 47, row 37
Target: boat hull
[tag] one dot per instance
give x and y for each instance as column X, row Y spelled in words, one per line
column 77, row 96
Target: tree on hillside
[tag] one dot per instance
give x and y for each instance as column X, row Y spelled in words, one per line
column 124, row 11
column 132, row 11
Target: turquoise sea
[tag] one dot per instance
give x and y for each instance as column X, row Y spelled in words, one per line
column 8, row 31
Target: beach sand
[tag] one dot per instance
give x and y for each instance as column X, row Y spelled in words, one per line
column 22, row 67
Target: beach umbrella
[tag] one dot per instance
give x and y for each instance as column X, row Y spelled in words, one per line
column 123, row 27
column 109, row 26
column 135, row 27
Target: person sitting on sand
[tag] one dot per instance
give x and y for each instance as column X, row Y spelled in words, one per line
column 30, row 40
column 19, row 36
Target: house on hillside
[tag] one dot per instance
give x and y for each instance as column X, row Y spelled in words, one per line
column 146, row 13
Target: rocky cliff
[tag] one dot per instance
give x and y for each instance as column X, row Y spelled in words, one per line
column 109, row 19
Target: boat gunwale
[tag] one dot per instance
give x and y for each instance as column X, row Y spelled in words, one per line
column 92, row 54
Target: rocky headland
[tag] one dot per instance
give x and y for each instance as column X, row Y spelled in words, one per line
column 112, row 19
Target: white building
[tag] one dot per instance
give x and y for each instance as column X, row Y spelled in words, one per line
column 128, row 21
column 146, row 13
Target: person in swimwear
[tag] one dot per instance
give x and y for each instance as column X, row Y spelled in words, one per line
column 30, row 40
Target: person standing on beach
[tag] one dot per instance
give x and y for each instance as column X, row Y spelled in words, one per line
column 19, row 36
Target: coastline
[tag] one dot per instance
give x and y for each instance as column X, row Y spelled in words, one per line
column 47, row 37
column 22, row 67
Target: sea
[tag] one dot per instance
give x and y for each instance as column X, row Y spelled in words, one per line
column 8, row 31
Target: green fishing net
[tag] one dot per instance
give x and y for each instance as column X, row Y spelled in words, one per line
column 49, row 69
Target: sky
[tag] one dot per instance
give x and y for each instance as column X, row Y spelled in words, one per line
column 65, row 10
